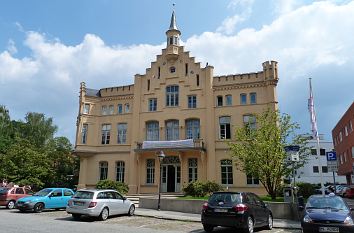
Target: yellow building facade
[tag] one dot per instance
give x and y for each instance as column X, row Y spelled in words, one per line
column 177, row 108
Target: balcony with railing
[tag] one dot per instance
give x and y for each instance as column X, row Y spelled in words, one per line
column 177, row 145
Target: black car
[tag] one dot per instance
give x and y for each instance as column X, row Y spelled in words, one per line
column 241, row 210
column 327, row 213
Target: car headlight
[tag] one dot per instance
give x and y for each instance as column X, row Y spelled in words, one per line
column 27, row 202
column 348, row 220
column 307, row 219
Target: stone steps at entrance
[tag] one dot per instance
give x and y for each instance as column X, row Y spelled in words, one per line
column 135, row 197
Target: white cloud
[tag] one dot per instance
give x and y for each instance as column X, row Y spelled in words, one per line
column 313, row 40
column 11, row 47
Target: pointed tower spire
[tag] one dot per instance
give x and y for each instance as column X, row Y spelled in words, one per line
column 173, row 25
column 173, row 36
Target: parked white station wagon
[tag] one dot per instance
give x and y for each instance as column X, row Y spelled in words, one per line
column 99, row 203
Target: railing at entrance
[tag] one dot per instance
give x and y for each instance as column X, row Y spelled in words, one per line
column 180, row 145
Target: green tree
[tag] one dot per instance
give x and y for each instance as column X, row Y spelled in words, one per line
column 64, row 166
column 259, row 151
column 5, row 129
column 24, row 164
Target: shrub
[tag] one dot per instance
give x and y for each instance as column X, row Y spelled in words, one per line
column 306, row 189
column 111, row 184
column 201, row 189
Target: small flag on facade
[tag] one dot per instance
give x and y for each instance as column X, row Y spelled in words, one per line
column 311, row 107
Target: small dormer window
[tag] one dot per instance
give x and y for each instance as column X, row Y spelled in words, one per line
column 172, row 69
column 171, row 40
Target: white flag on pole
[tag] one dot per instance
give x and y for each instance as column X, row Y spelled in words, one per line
column 311, row 107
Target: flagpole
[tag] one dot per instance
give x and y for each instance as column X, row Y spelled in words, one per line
column 311, row 107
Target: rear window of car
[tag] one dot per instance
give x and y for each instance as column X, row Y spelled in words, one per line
column 325, row 202
column 226, row 198
column 83, row 195
column 3, row 190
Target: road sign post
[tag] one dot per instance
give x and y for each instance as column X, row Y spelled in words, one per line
column 332, row 165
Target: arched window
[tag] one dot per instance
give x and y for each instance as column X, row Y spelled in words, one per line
column 103, row 169
column 152, row 131
column 172, row 130
column 192, row 128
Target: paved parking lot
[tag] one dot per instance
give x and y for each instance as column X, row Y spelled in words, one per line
column 12, row 221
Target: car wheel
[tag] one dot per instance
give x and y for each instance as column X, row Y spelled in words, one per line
column 270, row 223
column 208, row 228
column 38, row 207
column 131, row 210
column 104, row 214
column 250, row 225
column 76, row 216
column 10, row 205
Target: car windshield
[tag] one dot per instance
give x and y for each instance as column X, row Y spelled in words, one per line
column 43, row 192
column 324, row 202
column 3, row 190
column 225, row 198
column 83, row 195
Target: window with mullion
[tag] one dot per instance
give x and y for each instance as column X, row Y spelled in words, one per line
column 172, row 96
column 172, row 130
column 103, row 166
column 225, row 127
column 84, row 133
column 252, row 180
column 152, row 105
column 192, row 129
column 106, row 133
column 192, row 101
column 192, row 169
column 150, row 171
column 152, row 131
column 120, row 167
column 226, row 172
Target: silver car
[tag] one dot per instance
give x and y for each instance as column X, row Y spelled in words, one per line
column 99, row 203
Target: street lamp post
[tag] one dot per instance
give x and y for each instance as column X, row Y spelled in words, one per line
column 161, row 156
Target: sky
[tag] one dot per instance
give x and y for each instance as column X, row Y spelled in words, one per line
column 48, row 47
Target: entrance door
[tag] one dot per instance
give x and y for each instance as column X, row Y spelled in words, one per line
column 171, row 178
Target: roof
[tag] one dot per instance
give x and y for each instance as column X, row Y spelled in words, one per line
column 92, row 92
column 173, row 25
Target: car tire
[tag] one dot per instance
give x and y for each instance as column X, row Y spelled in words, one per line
column 104, row 214
column 76, row 216
column 208, row 228
column 270, row 223
column 131, row 210
column 249, row 226
column 38, row 207
column 10, row 205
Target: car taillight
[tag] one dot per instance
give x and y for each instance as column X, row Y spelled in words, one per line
column 205, row 206
column 240, row 208
column 92, row 204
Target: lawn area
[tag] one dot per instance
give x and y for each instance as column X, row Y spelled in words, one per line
column 269, row 199
column 264, row 198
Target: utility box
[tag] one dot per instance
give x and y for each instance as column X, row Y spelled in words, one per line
column 288, row 194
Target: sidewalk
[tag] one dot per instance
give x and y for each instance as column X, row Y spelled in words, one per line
column 172, row 215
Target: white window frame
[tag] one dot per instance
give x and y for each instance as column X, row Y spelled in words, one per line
column 152, row 131
column 150, row 171
column 224, row 127
column 172, row 96
column 120, row 170
column 103, row 170
column 192, row 101
column 192, row 169
column 86, row 109
column 192, row 128
column 106, row 134
column 122, row 133
column 172, row 130
column 226, row 168
column 84, row 133
column 152, row 104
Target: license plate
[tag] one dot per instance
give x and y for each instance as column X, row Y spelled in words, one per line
column 220, row 210
column 329, row 229
column 78, row 203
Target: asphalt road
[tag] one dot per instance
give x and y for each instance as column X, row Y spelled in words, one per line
column 12, row 221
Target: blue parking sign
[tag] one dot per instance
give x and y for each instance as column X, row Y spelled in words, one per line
column 331, row 156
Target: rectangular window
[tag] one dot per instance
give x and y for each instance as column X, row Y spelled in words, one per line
column 192, row 169
column 150, row 171
column 127, row 108
column 104, row 110
column 322, row 151
column 103, row 166
column 111, row 110
column 352, row 151
column 250, row 121
column 252, row 180
column 148, row 85
column 158, row 72
column 324, row 169
column 346, row 131
column 106, row 134
column 186, row 69
column 225, row 128
column 228, row 100
column 192, row 101
column 120, row 167
column 172, row 130
column 120, row 109
column 197, row 80
column 152, row 105
column 253, row 98
column 313, row 151
column 192, row 128
column 84, row 133
column 172, row 93
column 350, row 126
column 340, row 136
column 243, row 99
column 152, row 131
column 226, row 172
column 315, row 169
column 86, row 109
column 219, row 101
column 122, row 133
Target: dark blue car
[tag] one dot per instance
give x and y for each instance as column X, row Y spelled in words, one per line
column 48, row 198
column 328, row 213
